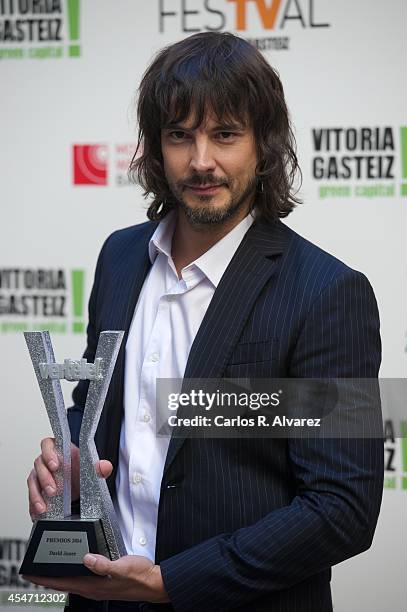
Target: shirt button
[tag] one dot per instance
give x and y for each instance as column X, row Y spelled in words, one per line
column 154, row 357
column 143, row 541
column 146, row 418
column 137, row 478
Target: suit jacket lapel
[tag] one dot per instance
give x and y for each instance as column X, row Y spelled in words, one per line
column 251, row 267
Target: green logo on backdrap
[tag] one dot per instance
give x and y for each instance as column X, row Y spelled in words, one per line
column 73, row 28
column 395, row 456
column 78, row 279
column 39, row 29
column 359, row 162
column 403, row 152
column 37, row 299
column 403, row 428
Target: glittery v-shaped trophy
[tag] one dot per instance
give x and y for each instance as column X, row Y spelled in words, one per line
column 59, row 540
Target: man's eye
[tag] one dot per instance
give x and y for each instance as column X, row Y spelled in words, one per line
column 178, row 135
column 226, row 135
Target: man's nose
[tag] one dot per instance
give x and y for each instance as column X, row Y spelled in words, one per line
column 202, row 158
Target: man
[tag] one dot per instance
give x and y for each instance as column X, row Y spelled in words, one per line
column 214, row 285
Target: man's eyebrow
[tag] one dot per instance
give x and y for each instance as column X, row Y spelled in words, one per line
column 174, row 126
column 224, row 125
column 229, row 125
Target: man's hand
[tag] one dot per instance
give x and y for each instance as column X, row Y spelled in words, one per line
column 131, row 578
column 41, row 480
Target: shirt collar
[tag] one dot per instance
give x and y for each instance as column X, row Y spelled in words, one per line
column 214, row 262
column 160, row 241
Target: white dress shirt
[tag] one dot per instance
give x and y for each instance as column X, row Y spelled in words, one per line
column 166, row 319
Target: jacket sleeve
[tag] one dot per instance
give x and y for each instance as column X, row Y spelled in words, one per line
column 338, row 481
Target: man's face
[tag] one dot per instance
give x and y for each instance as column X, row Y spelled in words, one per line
column 210, row 170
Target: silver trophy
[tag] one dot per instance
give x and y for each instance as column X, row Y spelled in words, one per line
column 59, row 540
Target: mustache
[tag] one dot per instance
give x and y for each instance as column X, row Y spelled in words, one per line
column 198, row 180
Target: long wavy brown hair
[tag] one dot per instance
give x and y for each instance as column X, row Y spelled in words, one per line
column 225, row 75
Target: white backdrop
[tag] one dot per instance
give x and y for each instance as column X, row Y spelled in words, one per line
column 343, row 67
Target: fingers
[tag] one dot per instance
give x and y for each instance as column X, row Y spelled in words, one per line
column 37, row 503
column 45, row 478
column 41, row 479
column 98, row 564
column 104, row 468
column 49, row 454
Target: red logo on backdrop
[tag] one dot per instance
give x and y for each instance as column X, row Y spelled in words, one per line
column 90, row 164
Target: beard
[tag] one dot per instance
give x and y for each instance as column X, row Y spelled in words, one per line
column 208, row 214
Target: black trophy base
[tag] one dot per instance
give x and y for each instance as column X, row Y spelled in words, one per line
column 57, row 547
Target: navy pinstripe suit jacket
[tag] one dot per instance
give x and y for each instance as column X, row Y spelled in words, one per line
column 254, row 524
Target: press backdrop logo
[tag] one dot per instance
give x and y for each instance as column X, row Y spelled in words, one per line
column 278, row 19
column 35, row 299
column 367, row 162
column 102, row 164
column 395, row 456
column 90, row 164
column 39, row 29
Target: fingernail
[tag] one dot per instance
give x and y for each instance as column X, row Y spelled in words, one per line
column 49, row 490
column 53, row 464
column 89, row 560
column 39, row 507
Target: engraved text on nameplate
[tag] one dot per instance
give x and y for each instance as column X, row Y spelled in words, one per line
column 62, row 547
